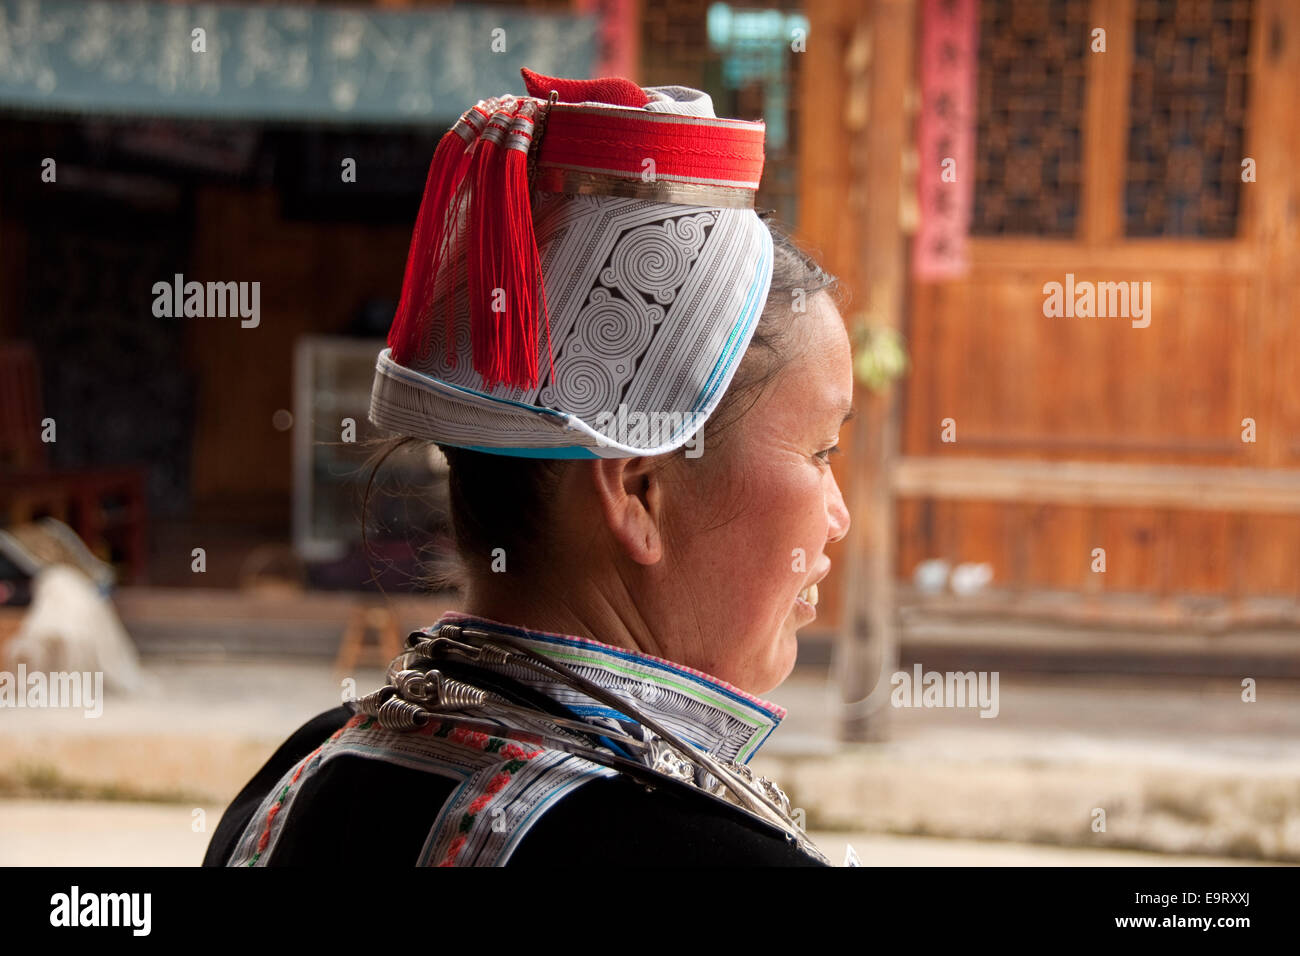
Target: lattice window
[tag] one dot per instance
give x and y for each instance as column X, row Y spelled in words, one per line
column 1187, row 117
column 1029, row 132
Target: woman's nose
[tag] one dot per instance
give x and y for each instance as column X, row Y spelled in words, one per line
column 838, row 513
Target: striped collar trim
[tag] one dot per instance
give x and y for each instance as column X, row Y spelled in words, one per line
column 710, row 714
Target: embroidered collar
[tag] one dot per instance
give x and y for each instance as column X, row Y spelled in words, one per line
column 708, row 713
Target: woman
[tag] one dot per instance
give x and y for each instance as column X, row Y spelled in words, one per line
column 640, row 505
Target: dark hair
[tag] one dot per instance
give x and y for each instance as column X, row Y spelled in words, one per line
column 501, row 501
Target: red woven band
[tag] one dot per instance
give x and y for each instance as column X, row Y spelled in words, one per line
column 617, row 141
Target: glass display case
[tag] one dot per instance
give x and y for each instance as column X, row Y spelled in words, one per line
column 334, row 448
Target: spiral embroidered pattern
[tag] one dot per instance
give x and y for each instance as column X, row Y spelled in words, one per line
column 587, row 384
column 617, row 323
column 654, row 260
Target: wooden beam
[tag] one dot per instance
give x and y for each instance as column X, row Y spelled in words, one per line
column 1123, row 257
column 1100, row 484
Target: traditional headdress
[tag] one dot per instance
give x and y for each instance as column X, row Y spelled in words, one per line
column 585, row 273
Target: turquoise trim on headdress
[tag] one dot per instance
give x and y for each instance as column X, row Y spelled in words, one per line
column 570, row 451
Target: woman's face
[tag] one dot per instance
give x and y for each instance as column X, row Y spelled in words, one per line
column 746, row 525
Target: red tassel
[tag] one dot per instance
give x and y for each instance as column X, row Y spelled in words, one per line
column 477, row 204
column 435, row 227
column 528, row 259
column 447, row 248
column 520, row 250
column 484, row 258
column 505, row 264
column 407, row 332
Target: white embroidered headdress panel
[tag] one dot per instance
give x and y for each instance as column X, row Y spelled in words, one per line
column 585, row 274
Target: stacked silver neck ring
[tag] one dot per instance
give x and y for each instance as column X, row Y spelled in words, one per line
column 417, row 692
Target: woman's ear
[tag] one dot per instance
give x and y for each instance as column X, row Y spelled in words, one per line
column 631, row 501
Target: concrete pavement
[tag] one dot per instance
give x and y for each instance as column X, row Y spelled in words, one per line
column 1177, row 766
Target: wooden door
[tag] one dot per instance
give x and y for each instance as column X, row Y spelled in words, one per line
column 1168, row 446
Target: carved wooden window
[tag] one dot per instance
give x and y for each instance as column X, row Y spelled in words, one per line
column 1187, row 118
column 1171, row 91
column 1029, row 127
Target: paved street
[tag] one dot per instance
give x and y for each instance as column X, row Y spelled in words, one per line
column 87, row 833
column 1179, row 766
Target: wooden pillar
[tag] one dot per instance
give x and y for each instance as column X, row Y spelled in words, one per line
column 1271, row 220
column 856, row 127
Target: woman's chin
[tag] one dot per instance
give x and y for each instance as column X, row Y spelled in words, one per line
column 783, row 660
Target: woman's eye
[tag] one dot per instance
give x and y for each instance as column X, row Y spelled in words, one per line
column 825, row 454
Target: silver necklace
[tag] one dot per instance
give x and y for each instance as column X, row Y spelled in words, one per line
column 417, row 692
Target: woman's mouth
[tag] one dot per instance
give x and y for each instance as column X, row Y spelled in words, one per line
column 806, row 602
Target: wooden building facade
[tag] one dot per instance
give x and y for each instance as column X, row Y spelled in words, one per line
column 1174, row 447
column 1168, row 448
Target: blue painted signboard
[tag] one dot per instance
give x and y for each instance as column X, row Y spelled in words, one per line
column 215, row 61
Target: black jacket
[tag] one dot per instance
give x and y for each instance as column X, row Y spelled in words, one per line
column 363, row 811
